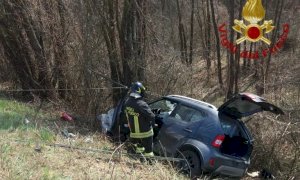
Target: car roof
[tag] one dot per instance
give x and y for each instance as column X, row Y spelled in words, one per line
column 191, row 101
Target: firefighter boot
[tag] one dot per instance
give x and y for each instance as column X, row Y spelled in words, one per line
column 139, row 149
column 149, row 158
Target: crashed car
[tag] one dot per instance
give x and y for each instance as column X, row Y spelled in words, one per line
column 211, row 139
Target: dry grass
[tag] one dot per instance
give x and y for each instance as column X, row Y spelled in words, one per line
column 20, row 160
column 25, row 151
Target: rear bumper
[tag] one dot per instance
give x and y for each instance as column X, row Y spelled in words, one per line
column 230, row 171
column 227, row 165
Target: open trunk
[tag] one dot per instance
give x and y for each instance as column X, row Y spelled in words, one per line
column 238, row 141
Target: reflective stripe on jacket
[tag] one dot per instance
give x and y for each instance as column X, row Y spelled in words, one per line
column 140, row 117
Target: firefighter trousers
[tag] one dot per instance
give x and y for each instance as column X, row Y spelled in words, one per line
column 147, row 143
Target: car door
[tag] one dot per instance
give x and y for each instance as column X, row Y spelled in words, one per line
column 119, row 130
column 180, row 125
column 165, row 107
column 246, row 104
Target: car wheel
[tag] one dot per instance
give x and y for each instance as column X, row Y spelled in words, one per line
column 191, row 163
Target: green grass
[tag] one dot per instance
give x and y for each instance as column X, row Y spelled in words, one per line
column 5, row 148
column 13, row 117
column 46, row 135
column 13, row 114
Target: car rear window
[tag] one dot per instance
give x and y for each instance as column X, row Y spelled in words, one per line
column 244, row 107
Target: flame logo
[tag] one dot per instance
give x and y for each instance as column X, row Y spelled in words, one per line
column 253, row 12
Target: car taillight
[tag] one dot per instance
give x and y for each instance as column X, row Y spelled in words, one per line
column 218, row 141
column 212, row 162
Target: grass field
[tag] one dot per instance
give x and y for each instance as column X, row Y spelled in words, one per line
column 26, row 136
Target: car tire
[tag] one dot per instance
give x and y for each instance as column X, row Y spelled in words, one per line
column 193, row 168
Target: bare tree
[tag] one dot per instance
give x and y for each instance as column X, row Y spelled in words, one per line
column 192, row 32
column 182, row 35
column 23, row 40
column 218, row 49
column 231, row 63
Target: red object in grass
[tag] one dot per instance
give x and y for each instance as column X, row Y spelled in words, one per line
column 66, row 117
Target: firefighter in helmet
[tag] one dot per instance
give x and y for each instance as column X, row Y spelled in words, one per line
column 140, row 119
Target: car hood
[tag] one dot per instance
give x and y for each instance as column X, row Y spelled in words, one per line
column 246, row 104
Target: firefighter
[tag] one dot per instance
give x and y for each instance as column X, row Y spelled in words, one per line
column 140, row 120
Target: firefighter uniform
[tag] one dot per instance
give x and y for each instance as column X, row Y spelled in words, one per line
column 140, row 119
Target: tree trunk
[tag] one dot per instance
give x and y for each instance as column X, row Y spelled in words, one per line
column 278, row 12
column 192, row 33
column 237, row 56
column 133, row 40
column 231, row 64
column 61, row 56
column 218, row 48
column 182, row 36
column 109, row 30
column 208, row 41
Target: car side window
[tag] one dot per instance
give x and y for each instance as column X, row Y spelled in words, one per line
column 165, row 106
column 187, row 114
column 197, row 116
